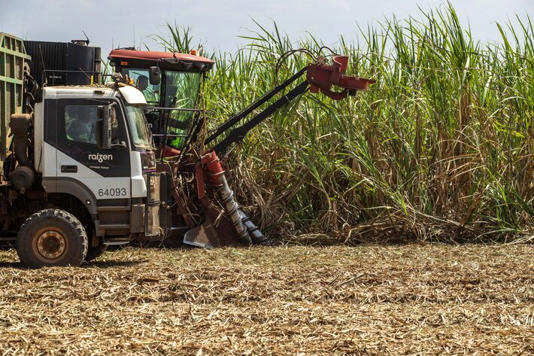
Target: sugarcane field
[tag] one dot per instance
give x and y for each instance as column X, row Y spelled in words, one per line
column 400, row 299
column 266, row 178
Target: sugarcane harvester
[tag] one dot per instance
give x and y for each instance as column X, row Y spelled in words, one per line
column 172, row 85
column 80, row 170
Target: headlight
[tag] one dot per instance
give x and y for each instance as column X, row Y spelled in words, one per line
column 148, row 160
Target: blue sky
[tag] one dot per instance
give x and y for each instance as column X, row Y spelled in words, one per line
column 218, row 23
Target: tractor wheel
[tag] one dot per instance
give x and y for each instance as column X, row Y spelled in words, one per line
column 97, row 250
column 52, row 237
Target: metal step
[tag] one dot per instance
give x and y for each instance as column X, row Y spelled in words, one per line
column 106, row 209
column 117, row 242
column 114, row 227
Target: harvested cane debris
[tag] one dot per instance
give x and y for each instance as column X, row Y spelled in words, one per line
column 275, row 300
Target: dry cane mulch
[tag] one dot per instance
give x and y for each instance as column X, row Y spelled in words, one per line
column 411, row 299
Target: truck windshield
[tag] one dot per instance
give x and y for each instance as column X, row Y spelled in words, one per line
column 138, row 127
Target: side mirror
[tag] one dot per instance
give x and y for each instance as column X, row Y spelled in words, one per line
column 155, row 75
column 103, row 126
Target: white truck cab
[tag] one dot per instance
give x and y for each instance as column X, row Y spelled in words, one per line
column 92, row 158
column 66, row 142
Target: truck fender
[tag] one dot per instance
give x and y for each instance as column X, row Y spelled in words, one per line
column 67, row 185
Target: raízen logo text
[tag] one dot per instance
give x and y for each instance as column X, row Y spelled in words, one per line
column 99, row 157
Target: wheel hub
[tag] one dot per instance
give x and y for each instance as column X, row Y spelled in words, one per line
column 51, row 244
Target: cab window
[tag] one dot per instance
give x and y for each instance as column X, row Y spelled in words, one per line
column 140, row 79
column 80, row 124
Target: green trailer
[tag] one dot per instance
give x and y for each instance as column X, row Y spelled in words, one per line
column 12, row 59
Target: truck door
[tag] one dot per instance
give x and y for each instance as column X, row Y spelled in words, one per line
column 106, row 173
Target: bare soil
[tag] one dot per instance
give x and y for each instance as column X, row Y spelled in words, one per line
column 411, row 299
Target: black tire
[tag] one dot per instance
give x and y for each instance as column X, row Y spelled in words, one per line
column 93, row 252
column 52, row 237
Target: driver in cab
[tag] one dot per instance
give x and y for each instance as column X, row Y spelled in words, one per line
column 149, row 93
